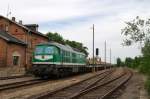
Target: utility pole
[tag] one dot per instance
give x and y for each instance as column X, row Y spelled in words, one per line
column 8, row 11
column 93, row 49
column 97, row 58
column 110, row 55
column 105, row 54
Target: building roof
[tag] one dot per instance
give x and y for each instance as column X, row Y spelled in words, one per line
column 9, row 38
column 24, row 27
column 31, row 25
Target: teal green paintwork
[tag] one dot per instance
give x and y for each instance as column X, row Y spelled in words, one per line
column 60, row 55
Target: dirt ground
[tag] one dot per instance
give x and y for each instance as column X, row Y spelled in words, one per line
column 51, row 85
column 134, row 89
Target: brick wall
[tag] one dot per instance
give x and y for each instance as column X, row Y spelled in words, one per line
column 14, row 29
column 7, row 50
column 11, row 71
column 16, row 49
column 36, row 39
column 3, row 52
column 31, row 38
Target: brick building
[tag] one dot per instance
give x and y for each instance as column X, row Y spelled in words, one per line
column 9, row 45
column 19, row 40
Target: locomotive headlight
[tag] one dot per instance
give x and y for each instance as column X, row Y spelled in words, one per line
column 44, row 57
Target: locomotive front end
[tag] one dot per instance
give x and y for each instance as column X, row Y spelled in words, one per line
column 43, row 60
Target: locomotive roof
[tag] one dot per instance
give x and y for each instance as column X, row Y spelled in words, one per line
column 64, row 47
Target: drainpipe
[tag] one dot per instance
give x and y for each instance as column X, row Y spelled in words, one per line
column 26, row 67
column 25, row 59
column 6, row 55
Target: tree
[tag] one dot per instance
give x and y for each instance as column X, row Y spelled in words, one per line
column 136, row 31
column 76, row 45
column 55, row 37
column 146, row 49
column 145, row 63
column 128, row 61
column 118, row 62
column 136, row 62
column 133, row 62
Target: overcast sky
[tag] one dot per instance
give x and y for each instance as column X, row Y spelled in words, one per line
column 73, row 19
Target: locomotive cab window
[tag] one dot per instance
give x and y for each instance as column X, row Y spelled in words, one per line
column 39, row 50
column 49, row 50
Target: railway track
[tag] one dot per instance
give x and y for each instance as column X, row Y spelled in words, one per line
column 117, row 84
column 103, row 90
column 67, row 92
column 14, row 77
column 99, row 87
column 14, row 85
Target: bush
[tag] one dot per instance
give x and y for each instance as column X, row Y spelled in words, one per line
column 147, row 85
column 145, row 66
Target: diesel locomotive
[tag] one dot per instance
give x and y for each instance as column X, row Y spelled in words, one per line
column 54, row 59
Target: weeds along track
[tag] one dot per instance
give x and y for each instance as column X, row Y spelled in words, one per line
column 68, row 92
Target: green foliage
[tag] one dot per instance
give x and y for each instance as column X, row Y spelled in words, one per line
column 118, row 62
column 147, row 85
column 78, row 46
column 133, row 63
column 58, row 38
column 146, row 49
column 128, row 61
column 136, row 62
column 55, row 37
column 145, row 64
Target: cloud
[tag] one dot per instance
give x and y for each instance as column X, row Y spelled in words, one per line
column 73, row 19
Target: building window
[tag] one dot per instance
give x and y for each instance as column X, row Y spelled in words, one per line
column 16, row 30
column 1, row 26
column 15, row 60
column 6, row 28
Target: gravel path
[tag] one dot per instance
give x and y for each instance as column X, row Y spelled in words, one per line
column 135, row 88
